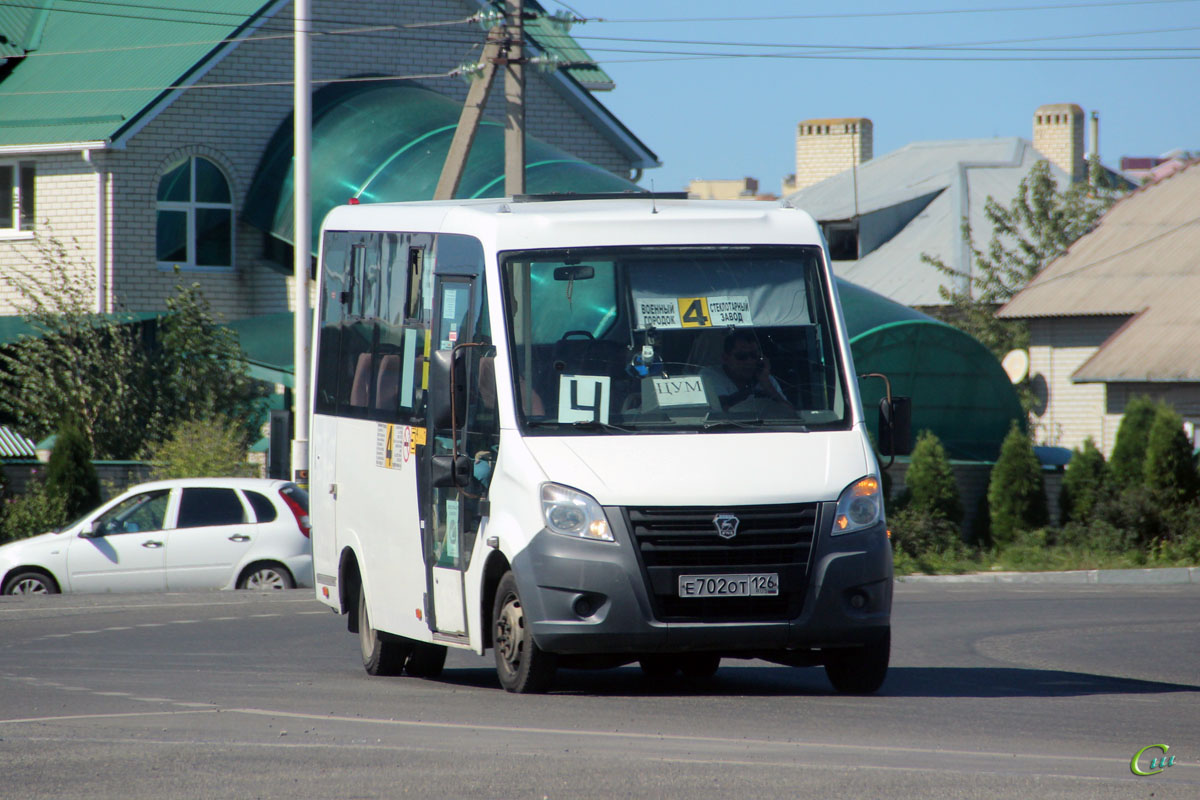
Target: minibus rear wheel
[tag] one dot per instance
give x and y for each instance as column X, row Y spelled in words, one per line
column 381, row 654
column 859, row 670
column 523, row 667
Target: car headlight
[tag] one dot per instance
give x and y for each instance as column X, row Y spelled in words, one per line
column 860, row 506
column 573, row 513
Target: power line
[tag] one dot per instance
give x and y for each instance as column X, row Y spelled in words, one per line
column 880, row 14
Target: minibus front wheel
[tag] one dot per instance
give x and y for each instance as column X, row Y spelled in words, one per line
column 523, row 667
column 859, row 670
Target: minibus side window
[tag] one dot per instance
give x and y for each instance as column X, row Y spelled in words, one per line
column 331, row 309
column 361, row 308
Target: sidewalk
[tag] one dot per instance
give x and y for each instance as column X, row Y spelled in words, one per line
column 1101, row 576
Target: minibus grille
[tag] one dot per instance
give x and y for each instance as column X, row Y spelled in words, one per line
column 674, row 541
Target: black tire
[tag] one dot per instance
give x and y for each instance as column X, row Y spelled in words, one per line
column 266, row 576
column 523, row 667
column 426, row 660
column 860, row 670
column 700, row 665
column 381, row 654
column 659, row 667
column 30, row 582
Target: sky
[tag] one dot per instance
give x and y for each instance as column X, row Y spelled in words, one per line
column 716, row 88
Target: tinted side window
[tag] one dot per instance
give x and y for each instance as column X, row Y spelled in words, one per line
column 264, row 509
column 210, row 507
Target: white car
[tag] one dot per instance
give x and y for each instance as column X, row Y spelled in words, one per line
column 193, row 533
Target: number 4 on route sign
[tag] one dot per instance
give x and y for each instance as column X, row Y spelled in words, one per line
column 693, row 312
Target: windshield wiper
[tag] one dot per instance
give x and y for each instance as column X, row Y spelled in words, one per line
column 583, row 424
column 752, row 424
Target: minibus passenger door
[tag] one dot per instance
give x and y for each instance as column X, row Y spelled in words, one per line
column 454, row 500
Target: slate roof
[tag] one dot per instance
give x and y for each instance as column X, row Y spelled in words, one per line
column 1142, row 261
column 939, row 183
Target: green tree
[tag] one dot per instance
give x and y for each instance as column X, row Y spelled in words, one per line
column 201, row 448
column 80, row 365
column 1039, row 225
column 201, row 370
column 930, row 481
column 125, row 388
column 1169, row 470
column 1083, row 482
column 37, row 510
column 1127, row 467
column 1016, row 493
column 70, row 473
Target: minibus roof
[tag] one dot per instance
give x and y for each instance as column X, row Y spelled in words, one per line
column 507, row 224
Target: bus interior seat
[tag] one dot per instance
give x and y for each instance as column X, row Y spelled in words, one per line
column 387, row 383
column 360, row 389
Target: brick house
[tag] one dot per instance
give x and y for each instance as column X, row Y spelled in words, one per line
column 133, row 134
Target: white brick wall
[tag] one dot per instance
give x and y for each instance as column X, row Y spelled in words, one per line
column 826, row 147
column 231, row 127
column 1058, row 135
column 1072, row 411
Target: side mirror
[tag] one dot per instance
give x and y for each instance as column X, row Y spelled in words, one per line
column 895, row 426
column 450, row 470
column 447, row 400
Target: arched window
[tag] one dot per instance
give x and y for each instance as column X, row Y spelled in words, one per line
column 195, row 216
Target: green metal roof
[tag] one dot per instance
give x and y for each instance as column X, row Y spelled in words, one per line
column 266, row 341
column 958, row 388
column 13, row 327
column 90, row 71
column 387, row 141
column 98, row 68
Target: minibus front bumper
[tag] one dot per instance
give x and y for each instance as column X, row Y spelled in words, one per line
column 587, row 597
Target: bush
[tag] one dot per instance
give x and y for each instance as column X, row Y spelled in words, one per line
column 930, row 481
column 36, row 511
column 1169, row 471
column 1016, row 494
column 1083, row 482
column 203, row 448
column 1127, row 465
column 70, row 473
column 920, row 532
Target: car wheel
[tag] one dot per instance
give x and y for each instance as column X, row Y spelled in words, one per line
column 659, row 667
column 267, row 577
column 700, row 665
column 30, row 583
column 859, row 670
column 523, row 667
column 426, row 660
column 381, row 654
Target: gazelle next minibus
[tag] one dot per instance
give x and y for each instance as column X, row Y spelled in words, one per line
column 588, row 432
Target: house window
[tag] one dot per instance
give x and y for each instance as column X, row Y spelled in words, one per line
column 195, row 216
column 842, row 238
column 16, row 196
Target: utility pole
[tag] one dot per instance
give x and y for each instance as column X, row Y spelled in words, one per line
column 503, row 47
column 514, row 96
column 302, row 206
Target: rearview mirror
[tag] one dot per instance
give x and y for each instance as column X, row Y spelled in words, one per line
column 895, row 426
column 582, row 272
column 446, row 405
column 450, row 470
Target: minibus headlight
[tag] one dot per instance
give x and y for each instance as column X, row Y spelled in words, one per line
column 860, row 506
column 573, row 513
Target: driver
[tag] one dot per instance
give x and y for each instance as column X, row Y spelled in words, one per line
column 744, row 372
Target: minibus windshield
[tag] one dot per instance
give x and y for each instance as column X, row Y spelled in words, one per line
column 668, row 338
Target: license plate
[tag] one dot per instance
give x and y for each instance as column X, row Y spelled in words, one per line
column 758, row 585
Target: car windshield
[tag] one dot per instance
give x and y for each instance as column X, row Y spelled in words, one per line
column 637, row 339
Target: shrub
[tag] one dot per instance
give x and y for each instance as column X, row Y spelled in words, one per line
column 930, row 481
column 1127, row 465
column 920, row 532
column 36, row 511
column 1169, row 470
column 1016, row 494
column 202, row 448
column 1083, row 482
column 70, row 473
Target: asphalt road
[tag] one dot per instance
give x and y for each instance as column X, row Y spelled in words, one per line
column 995, row 691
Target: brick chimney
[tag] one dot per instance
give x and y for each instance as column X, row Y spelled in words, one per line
column 826, row 147
column 1058, row 135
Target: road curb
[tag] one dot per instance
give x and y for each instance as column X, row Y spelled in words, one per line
column 1165, row 575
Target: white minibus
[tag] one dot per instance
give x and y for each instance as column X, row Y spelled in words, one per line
column 592, row 431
